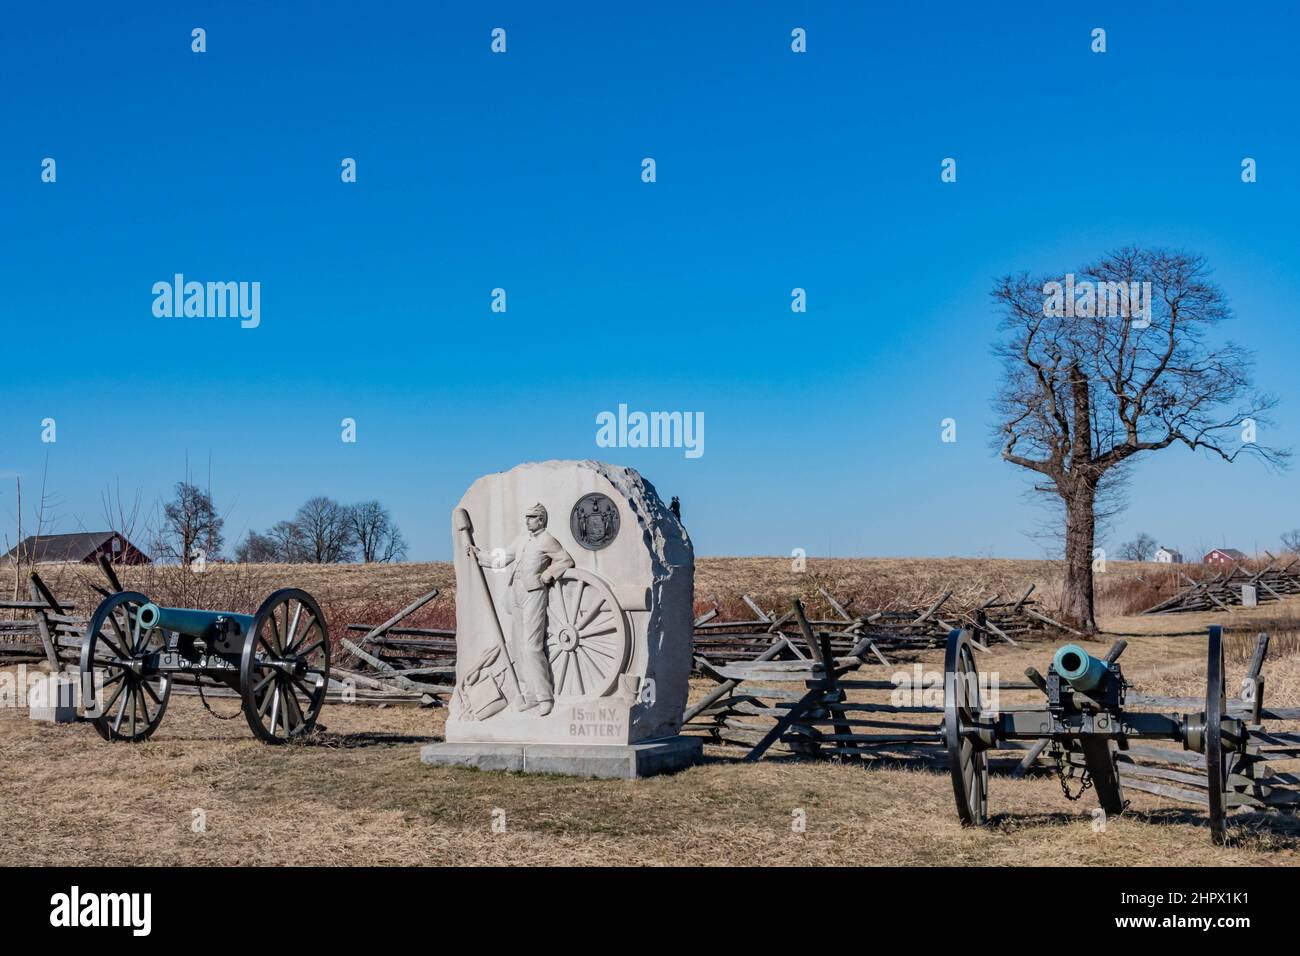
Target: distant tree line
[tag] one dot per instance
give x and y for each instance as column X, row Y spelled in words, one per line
column 323, row 531
column 327, row 532
column 1143, row 547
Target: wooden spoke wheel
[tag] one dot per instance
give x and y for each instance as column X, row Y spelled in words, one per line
column 132, row 698
column 285, row 667
column 587, row 639
column 1217, row 762
column 968, row 762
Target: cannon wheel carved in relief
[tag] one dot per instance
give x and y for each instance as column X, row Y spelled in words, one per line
column 587, row 635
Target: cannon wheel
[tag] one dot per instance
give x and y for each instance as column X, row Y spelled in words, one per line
column 284, row 669
column 1216, row 764
column 967, row 762
column 586, row 636
column 114, row 641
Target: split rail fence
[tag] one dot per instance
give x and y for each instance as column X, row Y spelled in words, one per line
column 1234, row 587
column 794, row 698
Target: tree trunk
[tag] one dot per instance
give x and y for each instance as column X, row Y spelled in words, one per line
column 1080, row 534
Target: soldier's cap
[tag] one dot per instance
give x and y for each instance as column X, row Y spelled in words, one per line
column 536, row 511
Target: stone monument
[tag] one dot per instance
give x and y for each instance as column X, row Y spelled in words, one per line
column 574, row 593
column 52, row 698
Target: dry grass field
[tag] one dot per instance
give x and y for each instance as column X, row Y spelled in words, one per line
column 357, row 793
column 357, row 592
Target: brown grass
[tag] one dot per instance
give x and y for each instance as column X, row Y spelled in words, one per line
column 370, row 592
column 365, row 592
column 358, row 795
column 358, row 592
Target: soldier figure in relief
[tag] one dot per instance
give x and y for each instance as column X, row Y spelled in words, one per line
column 539, row 560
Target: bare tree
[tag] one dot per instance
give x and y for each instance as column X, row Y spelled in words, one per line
column 190, row 521
column 1291, row 541
column 326, row 532
column 18, row 549
column 1086, row 387
column 290, row 542
column 377, row 536
column 1140, row 548
column 258, row 549
column 43, row 518
column 122, row 517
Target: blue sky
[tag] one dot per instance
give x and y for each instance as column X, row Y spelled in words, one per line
column 522, row 171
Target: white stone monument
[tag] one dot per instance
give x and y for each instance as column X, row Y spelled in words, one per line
column 574, row 593
column 52, row 698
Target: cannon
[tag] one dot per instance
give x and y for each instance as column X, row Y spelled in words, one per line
column 277, row 660
column 1080, row 669
column 1090, row 722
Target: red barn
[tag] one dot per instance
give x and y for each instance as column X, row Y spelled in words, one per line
column 1224, row 556
column 84, row 547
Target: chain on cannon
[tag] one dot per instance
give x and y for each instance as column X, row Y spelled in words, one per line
column 1087, row 719
column 277, row 660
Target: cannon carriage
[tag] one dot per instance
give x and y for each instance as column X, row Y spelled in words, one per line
column 277, row 660
column 1090, row 722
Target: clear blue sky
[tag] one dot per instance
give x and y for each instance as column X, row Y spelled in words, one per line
column 522, row 171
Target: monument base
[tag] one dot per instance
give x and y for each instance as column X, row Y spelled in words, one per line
column 53, row 715
column 52, row 699
column 619, row 762
column 604, row 722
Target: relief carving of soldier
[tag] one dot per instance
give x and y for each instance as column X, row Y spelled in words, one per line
column 536, row 561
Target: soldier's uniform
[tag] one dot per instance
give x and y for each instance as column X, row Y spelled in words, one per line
column 538, row 560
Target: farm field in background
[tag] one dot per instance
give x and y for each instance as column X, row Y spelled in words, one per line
column 360, row 592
